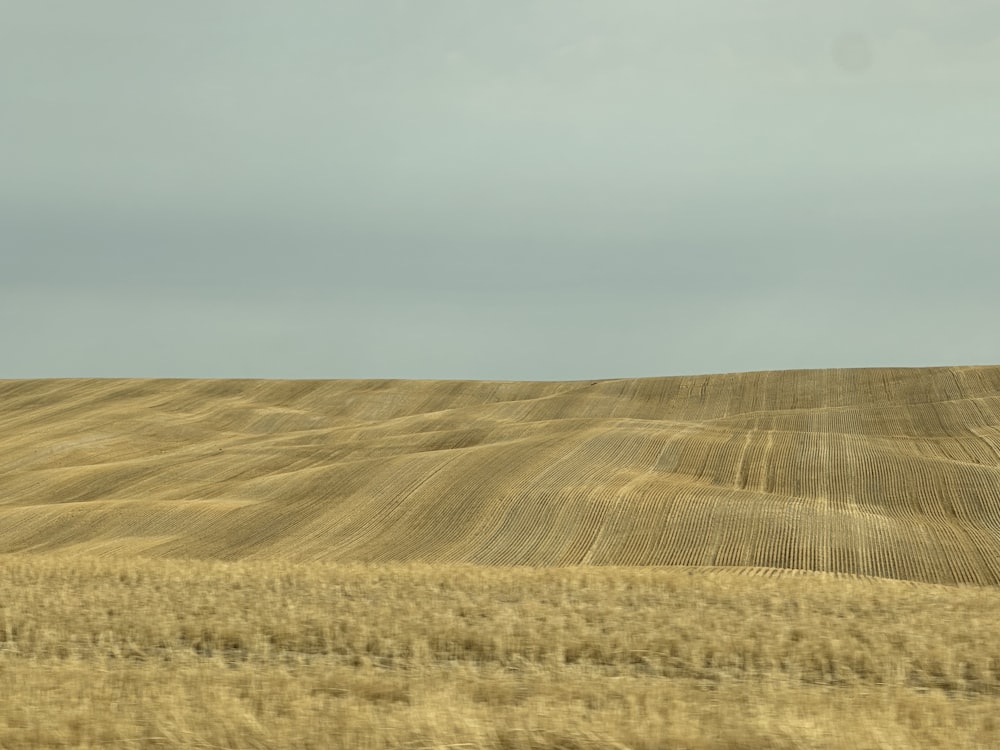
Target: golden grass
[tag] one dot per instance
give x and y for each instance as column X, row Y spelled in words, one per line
column 780, row 559
column 158, row 653
column 886, row 472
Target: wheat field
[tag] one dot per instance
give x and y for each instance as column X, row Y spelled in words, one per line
column 769, row 559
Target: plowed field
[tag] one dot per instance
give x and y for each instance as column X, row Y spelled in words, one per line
column 891, row 473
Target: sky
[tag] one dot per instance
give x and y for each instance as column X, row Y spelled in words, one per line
column 512, row 190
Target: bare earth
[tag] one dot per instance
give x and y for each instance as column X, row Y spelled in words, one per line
column 699, row 562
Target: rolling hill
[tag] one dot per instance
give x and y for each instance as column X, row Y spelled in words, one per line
column 893, row 473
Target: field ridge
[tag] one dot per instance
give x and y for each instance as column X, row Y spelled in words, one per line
column 880, row 472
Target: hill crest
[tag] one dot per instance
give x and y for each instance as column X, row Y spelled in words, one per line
column 891, row 472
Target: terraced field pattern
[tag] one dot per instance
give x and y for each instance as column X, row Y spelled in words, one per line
column 891, row 473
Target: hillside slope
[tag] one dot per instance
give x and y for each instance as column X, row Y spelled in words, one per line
column 883, row 472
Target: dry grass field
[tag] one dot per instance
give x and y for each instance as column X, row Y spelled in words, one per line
column 264, row 654
column 776, row 559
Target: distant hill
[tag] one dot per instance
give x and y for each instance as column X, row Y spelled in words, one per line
column 882, row 472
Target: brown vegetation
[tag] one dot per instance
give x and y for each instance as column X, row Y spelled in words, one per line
column 692, row 562
column 156, row 653
column 884, row 472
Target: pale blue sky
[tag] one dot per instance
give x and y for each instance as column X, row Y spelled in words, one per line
column 513, row 190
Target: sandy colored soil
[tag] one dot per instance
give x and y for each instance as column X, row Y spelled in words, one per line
column 880, row 472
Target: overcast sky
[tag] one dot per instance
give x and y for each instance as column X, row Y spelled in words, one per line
column 501, row 190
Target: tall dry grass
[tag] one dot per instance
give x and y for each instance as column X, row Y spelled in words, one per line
column 140, row 653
